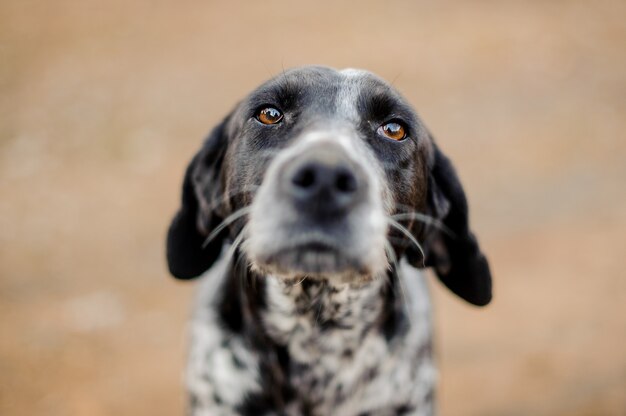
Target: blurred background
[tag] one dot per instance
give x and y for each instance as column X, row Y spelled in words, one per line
column 102, row 104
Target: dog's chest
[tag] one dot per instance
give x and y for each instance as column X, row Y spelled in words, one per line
column 342, row 358
column 337, row 357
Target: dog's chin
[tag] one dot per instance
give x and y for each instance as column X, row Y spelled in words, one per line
column 314, row 260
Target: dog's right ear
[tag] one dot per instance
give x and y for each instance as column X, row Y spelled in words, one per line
column 188, row 253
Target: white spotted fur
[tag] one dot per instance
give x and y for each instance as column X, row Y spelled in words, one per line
column 402, row 376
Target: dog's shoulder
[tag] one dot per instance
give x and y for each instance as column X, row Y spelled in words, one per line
column 221, row 369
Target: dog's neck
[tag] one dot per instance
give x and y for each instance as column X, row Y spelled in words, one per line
column 304, row 313
column 308, row 310
column 304, row 332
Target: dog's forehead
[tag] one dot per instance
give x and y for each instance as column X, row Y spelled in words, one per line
column 321, row 76
column 325, row 89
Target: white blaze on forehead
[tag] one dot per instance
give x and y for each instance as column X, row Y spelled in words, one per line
column 353, row 72
column 346, row 99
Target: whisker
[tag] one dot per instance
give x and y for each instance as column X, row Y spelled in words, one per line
column 406, row 208
column 236, row 243
column 426, row 219
column 227, row 221
column 408, row 234
column 300, row 282
column 238, row 264
column 390, row 254
column 393, row 259
column 252, row 189
column 243, row 265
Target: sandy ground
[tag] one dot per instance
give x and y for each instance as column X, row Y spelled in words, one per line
column 103, row 103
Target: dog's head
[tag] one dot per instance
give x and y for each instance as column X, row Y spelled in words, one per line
column 326, row 173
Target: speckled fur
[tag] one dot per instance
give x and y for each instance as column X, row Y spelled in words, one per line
column 341, row 360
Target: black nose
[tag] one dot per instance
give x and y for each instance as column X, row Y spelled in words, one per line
column 324, row 188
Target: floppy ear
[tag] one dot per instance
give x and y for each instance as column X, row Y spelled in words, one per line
column 454, row 253
column 187, row 254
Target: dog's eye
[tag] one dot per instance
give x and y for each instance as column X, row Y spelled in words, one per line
column 393, row 130
column 269, row 115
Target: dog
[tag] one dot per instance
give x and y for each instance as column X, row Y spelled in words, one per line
column 314, row 204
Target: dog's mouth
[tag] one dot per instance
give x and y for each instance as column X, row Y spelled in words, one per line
column 312, row 258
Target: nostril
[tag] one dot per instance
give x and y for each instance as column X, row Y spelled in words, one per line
column 304, row 178
column 345, row 182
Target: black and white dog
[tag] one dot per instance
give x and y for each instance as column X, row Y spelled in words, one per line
column 313, row 204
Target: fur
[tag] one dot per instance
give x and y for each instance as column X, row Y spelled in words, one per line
column 312, row 301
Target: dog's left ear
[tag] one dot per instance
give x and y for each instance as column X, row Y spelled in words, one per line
column 188, row 253
column 454, row 252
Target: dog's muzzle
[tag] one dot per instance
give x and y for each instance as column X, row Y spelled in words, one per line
column 316, row 214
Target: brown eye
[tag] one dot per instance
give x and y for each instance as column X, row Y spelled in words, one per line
column 393, row 130
column 269, row 115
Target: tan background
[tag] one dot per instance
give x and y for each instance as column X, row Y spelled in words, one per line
column 102, row 103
